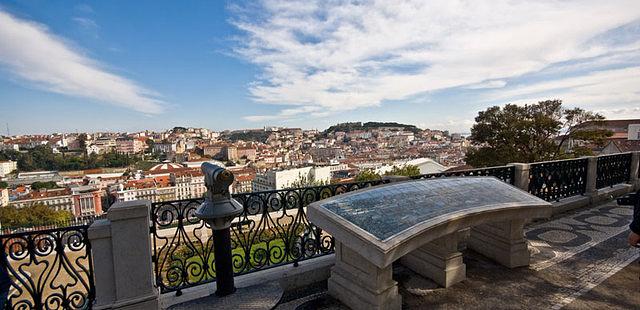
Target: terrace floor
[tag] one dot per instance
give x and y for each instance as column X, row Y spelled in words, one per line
column 580, row 260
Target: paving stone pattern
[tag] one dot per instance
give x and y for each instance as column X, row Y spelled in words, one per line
column 573, row 255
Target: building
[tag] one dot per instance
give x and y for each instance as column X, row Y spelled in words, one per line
column 56, row 199
column 7, row 167
column 155, row 189
column 189, row 183
column 248, row 153
column 630, row 144
column 619, row 127
column 231, row 153
column 326, row 154
column 35, row 176
column 102, row 145
column 165, row 148
column 273, row 180
column 197, row 164
column 213, row 151
column 4, row 197
column 81, row 201
column 87, row 201
column 129, row 146
column 243, row 179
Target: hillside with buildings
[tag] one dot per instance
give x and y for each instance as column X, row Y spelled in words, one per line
column 163, row 166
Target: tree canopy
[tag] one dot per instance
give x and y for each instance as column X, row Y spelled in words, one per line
column 405, row 170
column 367, row 175
column 34, row 215
column 304, row 181
column 530, row 133
column 346, row 127
column 42, row 185
column 43, row 158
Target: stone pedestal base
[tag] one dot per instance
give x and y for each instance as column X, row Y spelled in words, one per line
column 503, row 242
column 361, row 285
column 438, row 260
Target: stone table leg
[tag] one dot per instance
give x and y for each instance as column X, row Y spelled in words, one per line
column 438, row 260
column 359, row 284
column 503, row 242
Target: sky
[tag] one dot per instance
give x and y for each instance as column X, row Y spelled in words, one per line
column 69, row 66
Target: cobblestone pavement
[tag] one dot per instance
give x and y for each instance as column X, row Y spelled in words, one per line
column 580, row 260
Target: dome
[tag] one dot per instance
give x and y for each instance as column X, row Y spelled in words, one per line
column 166, row 167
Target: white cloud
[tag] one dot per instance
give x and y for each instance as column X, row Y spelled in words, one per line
column 287, row 114
column 36, row 55
column 615, row 93
column 488, row 84
column 340, row 55
column 84, row 22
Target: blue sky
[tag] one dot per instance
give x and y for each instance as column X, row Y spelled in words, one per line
column 134, row 65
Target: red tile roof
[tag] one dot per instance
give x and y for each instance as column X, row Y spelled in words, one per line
column 627, row 145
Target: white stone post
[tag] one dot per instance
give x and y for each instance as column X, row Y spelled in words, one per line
column 504, row 242
column 361, row 285
column 438, row 260
column 521, row 176
column 634, row 179
column 592, row 174
column 121, row 250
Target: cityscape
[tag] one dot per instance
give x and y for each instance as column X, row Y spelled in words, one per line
column 165, row 166
column 312, row 154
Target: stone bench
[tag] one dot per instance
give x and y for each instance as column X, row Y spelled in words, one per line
column 418, row 223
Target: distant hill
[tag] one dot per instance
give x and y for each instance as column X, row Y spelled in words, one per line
column 248, row 135
column 346, row 127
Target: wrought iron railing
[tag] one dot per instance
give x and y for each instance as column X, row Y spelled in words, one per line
column 554, row 180
column 272, row 230
column 613, row 169
column 50, row 269
column 504, row 173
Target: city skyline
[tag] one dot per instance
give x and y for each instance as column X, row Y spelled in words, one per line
column 153, row 65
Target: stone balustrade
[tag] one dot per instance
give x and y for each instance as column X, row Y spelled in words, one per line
column 123, row 256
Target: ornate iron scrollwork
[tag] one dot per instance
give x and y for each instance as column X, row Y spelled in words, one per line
column 272, row 230
column 613, row 169
column 555, row 180
column 50, row 269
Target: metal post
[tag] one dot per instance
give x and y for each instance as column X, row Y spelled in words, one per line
column 219, row 210
column 223, row 262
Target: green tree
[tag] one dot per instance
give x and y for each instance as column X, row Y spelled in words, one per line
column 4, row 184
column 150, row 143
column 82, row 141
column 528, row 133
column 406, row 170
column 367, row 175
column 34, row 215
column 43, row 185
column 304, row 181
column 42, row 158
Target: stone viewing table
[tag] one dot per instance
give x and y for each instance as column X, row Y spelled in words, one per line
column 418, row 222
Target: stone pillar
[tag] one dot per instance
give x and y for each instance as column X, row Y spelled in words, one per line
column 360, row 284
column 521, row 176
column 503, row 242
column 592, row 174
column 634, row 179
column 438, row 260
column 121, row 250
column 100, row 235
